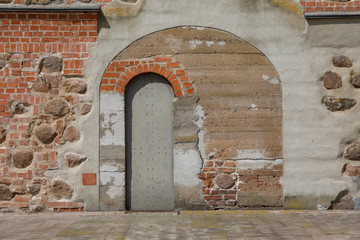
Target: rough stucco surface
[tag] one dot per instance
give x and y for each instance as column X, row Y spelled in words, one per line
column 310, row 135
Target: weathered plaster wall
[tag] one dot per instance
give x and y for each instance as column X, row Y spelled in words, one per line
column 335, row 130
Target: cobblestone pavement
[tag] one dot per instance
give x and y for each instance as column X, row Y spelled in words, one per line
column 248, row 225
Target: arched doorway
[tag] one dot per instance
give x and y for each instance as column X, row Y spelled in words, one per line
column 227, row 119
column 149, row 144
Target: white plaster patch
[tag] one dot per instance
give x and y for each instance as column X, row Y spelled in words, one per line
column 212, row 153
column 254, row 107
column 199, row 28
column 281, row 181
column 257, row 164
column 113, row 178
column 275, row 80
column 201, row 113
column 115, row 192
column 201, row 133
column 250, row 154
column 187, row 166
column 265, row 77
column 194, row 43
column 108, row 168
column 222, row 43
column 209, row 43
column 112, row 119
column 321, row 207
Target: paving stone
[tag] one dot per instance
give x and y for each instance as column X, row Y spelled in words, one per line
column 192, row 225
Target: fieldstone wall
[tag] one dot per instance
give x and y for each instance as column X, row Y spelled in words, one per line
column 349, row 146
column 42, row 61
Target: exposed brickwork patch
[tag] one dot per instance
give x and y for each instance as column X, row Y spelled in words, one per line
column 89, row 178
column 66, row 206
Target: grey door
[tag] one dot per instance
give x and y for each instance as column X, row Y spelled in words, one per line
column 149, row 144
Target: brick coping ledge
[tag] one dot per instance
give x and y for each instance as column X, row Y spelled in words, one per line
column 317, row 15
column 63, row 8
column 330, row 9
column 50, row 213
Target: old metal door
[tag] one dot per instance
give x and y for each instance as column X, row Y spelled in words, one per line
column 149, row 144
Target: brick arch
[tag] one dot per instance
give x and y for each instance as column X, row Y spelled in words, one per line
column 120, row 72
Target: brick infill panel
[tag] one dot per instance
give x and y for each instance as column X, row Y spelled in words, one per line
column 120, row 72
column 9, row 204
column 326, row 6
column 215, row 196
column 66, row 206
